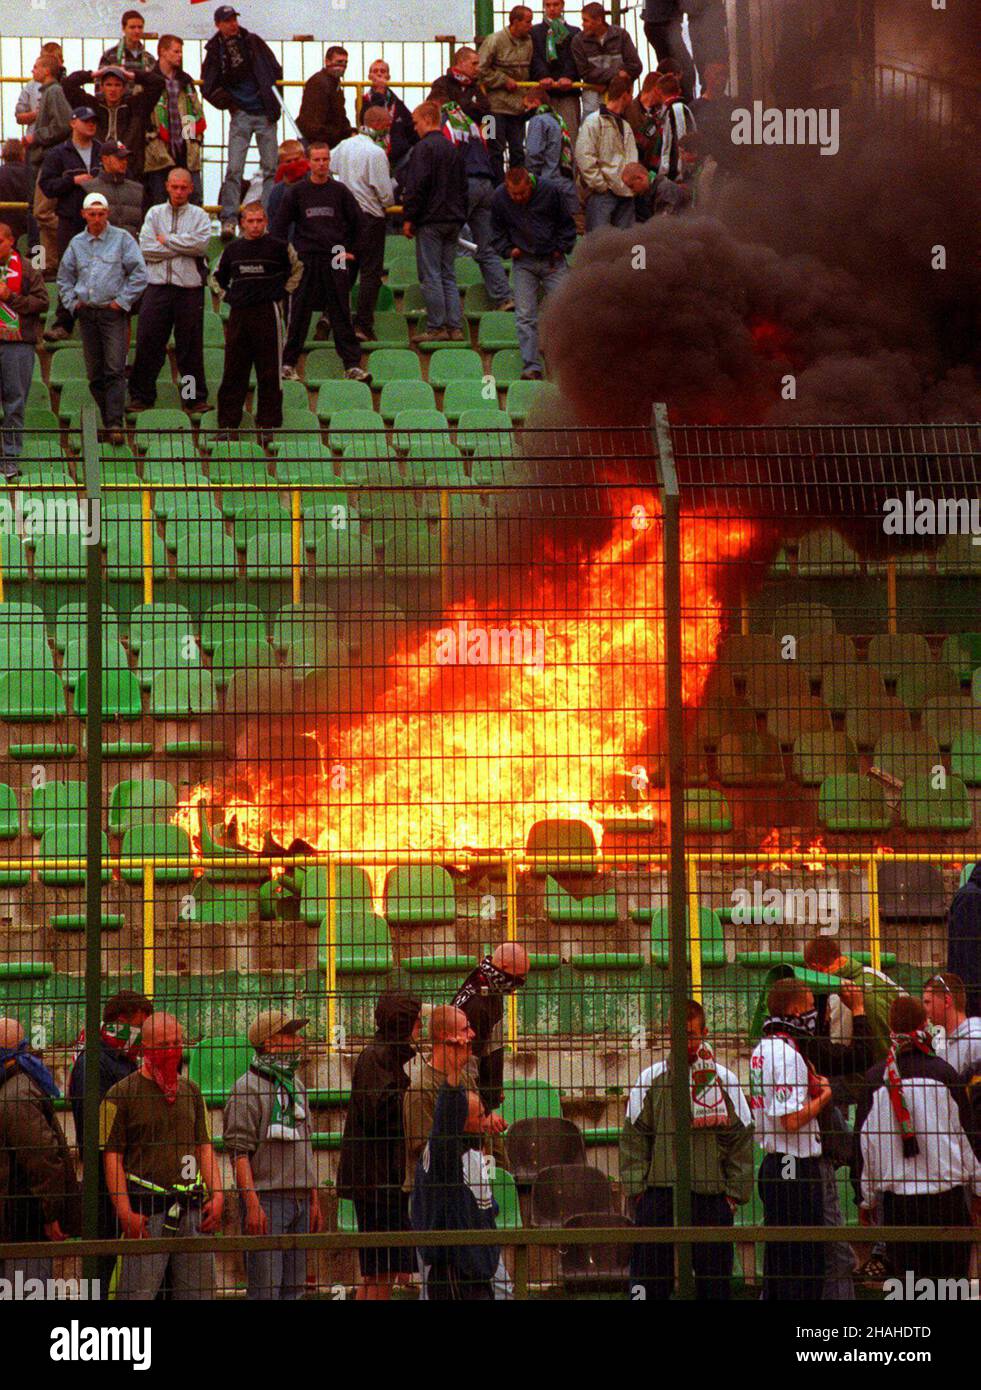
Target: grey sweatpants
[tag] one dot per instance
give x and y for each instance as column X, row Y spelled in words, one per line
column 192, row 1276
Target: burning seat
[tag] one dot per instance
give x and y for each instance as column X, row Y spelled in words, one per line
column 565, row 847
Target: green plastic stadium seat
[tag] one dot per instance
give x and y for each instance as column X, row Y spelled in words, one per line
column 9, row 813
column 352, row 888
column 826, row 555
column 525, row 396
column 391, row 331
column 471, row 393
column 561, row 906
column 68, row 842
column 866, row 723
column 124, row 553
column 230, row 657
column 182, row 694
column 364, row 944
column 477, row 302
column 419, row 893
column 926, row 807
column 40, row 417
column 795, row 619
column 959, row 557
column 405, row 395
column 468, row 272
column 821, row 755
column 70, row 624
column 27, row 696
column 962, row 653
column 398, row 251
column 411, row 548
column 413, row 304
column 154, row 425
column 216, row 1064
column 231, row 622
column 415, row 421
column 56, row 804
column 205, row 553
column 706, row 811
column 894, row 653
column 157, row 841
column 474, row 425
column 851, row 802
column 323, row 364
column 13, row 560
column 816, row 650
column 505, row 1191
column 454, row 364
column 506, row 366
column 150, row 621
column 348, row 426
column 906, row 755
column 918, row 684
column 946, row 716
column 709, row 934
column 67, row 365
column 497, row 330
column 343, row 554
column 385, row 302
column 402, row 276
column 343, row 395
column 214, row 337
column 393, row 364
column 120, row 695
column 564, row 847
column 208, row 429
column 528, row 1099
column 140, row 799
column 260, row 515
column 59, row 559
column 747, row 760
column 966, row 873
column 75, row 661
column 965, row 757
column 269, row 555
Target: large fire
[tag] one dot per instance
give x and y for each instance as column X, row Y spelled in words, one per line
column 560, row 698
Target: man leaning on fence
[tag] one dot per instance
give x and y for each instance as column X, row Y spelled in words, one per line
column 23, row 299
column 267, row 1133
column 721, row 1163
column 38, row 1187
column 160, row 1166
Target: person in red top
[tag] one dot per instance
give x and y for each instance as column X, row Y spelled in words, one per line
column 23, row 299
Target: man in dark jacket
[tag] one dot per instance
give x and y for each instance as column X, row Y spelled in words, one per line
column 122, row 111
column 239, row 75
column 603, row 51
column 434, row 208
column 533, row 228
column 326, row 228
column 706, row 32
column 481, row 998
column 465, row 110
column 552, row 63
column 130, row 51
column 323, row 115
column 964, row 938
column 38, row 1187
column 124, row 195
column 67, row 171
column 14, row 185
column 23, row 299
column 372, row 1167
column 119, row 1049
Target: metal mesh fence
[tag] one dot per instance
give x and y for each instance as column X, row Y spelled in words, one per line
column 425, row 701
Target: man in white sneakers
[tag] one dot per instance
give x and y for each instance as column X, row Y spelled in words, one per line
column 361, row 163
column 786, row 1098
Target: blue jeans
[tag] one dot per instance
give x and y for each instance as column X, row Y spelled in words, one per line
column 609, row 210
column 16, row 370
column 279, row 1275
column 527, row 273
column 479, row 194
column 241, row 129
column 105, row 340
column 435, row 262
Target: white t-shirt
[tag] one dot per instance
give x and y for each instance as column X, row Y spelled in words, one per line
column 778, row 1086
column 961, row 1046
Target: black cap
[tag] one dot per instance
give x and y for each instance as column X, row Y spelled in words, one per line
column 225, row 12
column 114, row 147
column 83, row 113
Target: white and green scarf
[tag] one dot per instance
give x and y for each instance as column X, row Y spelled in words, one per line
column 288, row 1111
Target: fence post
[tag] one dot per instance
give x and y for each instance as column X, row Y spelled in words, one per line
column 483, row 18
column 330, row 979
column 149, row 959
column 875, row 929
column 296, row 544
column 93, row 842
column 146, row 529
column 445, row 578
column 677, row 881
column 511, row 924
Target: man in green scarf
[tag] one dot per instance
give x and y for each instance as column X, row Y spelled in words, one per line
column 267, row 1134
column 552, row 63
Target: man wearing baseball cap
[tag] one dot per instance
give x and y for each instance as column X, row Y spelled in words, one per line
column 267, row 1135
column 67, row 170
column 124, row 195
column 239, row 75
column 101, row 275
column 122, row 109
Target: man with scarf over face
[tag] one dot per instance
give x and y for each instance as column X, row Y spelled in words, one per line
column 481, row 998
column 38, row 1187
column 372, row 1168
column 786, row 1097
column 160, row 1166
column 119, row 1050
column 915, row 1165
column 722, row 1163
column 268, row 1137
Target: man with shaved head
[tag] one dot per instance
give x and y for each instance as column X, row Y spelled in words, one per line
column 38, row 1187
column 481, row 997
column 161, row 1171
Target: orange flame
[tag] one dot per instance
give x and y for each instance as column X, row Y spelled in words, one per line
column 455, row 755
column 816, row 850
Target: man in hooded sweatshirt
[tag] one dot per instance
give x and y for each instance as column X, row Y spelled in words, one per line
column 267, row 1134
column 372, row 1166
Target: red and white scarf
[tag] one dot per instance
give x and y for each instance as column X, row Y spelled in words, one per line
column 12, row 275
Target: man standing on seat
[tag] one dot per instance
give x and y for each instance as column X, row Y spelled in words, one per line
column 326, row 222
column 255, row 274
column 101, row 276
column 161, row 1171
column 130, row 52
column 361, row 164
column 175, row 136
column 174, row 241
column 603, row 52
column 66, row 170
column 434, row 208
column 505, row 60
column 552, row 63
column 239, row 75
column 323, row 113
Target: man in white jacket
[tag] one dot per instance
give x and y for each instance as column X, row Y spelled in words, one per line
column 174, row 241
column 361, row 162
column 605, row 146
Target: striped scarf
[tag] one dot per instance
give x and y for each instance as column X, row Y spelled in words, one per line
column 565, row 158
column 920, row 1041
column 458, row 127
column 12, row 275
column 556, row 33
column 381, row 138
column 708, row 1100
